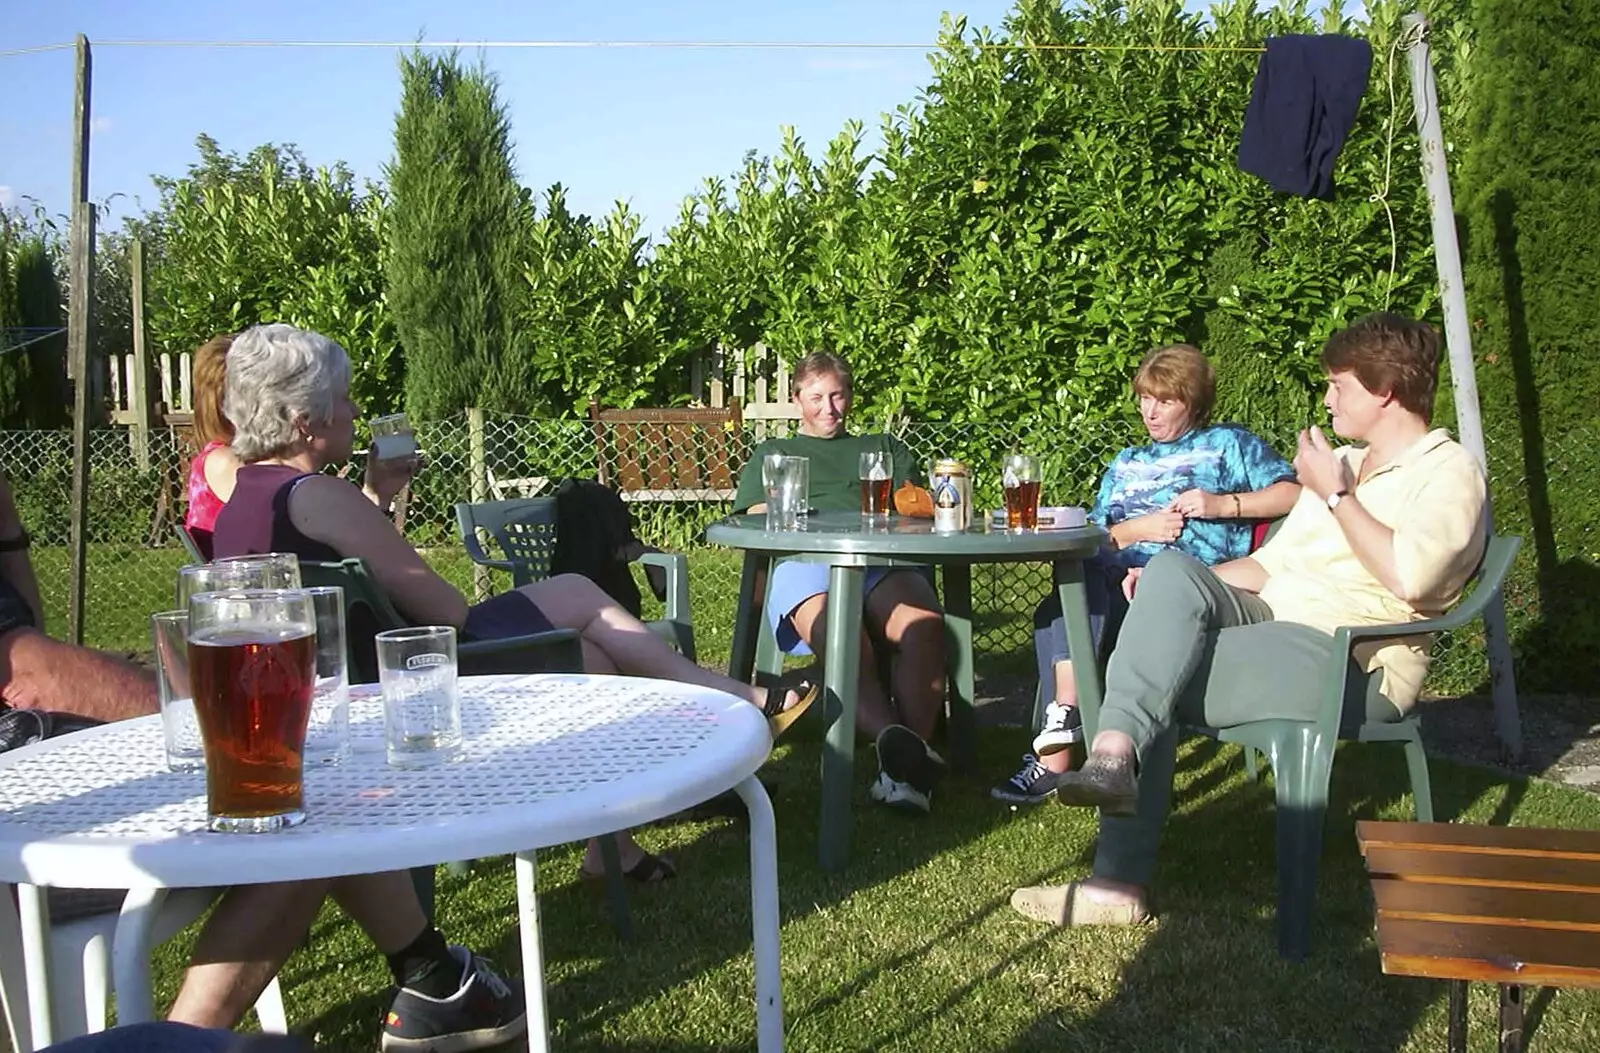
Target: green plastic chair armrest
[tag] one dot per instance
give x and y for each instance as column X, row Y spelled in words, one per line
column 677, row 567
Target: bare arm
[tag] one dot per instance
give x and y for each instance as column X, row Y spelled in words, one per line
column 41, row 673
column 339, row 515
column 220, row 468
column 1267, row 503
column 1323, row 473
column 15, row 566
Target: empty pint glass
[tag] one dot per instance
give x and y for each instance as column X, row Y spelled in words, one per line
column 252, row 665
column 421, row 707
column 1020, row 479
column 877, row 473
column 270, row 570
column 788, row 486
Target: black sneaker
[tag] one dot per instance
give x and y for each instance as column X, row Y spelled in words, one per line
column 1032, row 783
column 485, row 1011
column 908, row 770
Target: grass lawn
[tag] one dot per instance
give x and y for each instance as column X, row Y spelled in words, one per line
column 915, row 948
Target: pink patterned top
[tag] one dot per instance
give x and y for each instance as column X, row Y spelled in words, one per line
column 203, row 503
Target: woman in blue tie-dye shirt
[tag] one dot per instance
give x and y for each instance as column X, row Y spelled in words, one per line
column 1196, row 486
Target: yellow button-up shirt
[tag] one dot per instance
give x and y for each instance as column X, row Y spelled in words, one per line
column 1433, row 497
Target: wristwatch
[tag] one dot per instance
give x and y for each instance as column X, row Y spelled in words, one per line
column 1336, row 497
column 16, row 544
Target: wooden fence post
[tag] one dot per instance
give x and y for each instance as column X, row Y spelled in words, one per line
column 479, row 468
column 139, row 389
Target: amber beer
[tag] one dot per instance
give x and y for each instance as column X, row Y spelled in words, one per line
column 875, row 497
column 1022, row 505
column 252, row 695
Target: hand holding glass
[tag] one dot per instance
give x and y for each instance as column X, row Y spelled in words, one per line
column 252, row 664
column 391, row 437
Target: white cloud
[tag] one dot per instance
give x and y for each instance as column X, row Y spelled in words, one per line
column 8, row 197
column 101, row 124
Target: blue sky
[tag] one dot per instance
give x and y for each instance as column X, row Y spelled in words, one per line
column 640, row 125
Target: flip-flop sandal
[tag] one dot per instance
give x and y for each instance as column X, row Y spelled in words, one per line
column 779, row 718
column 649, row 870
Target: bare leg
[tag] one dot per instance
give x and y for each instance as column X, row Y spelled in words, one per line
column 246, row 940
column 384, row 905
column 874, row 711
column 904, row 610
column 617, row 639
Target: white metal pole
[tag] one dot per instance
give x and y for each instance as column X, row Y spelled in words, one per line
column 1458, row 340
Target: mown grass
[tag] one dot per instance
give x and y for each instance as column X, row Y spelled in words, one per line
column 914, row 946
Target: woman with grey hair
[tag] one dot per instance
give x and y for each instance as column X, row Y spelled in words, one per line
column 288, row 396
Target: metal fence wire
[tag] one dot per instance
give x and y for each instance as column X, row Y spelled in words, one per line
column 134, row 506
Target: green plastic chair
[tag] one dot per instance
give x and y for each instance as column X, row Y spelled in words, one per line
column 1301, row 752
column 524, row 531
column 368, row 612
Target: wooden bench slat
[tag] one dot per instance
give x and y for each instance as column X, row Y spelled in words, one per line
column 1478, row 868
column 1493, row 953
column 1486, row 905
column 1519, row 840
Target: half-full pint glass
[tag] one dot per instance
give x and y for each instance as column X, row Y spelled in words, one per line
column 1020, row 479
column 252, row 664
column 877, row 471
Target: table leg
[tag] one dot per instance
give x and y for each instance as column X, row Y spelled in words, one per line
column 841, row 671
column 1511, row 1018
column 18, row 1020
column 764, row 914
column 527, row 866
column 130, row 954
column 1456, row 1025
column 962, row 689
column 1080, row 644
column 34, row 912
column 747, row 618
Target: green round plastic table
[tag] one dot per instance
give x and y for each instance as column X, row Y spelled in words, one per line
column 848, row 544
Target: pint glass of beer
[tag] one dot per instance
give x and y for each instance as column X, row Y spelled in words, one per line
column 877, row 471
column 253, row 665
column 1020, row 479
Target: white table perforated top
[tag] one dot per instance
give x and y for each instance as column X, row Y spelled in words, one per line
column 547, row 759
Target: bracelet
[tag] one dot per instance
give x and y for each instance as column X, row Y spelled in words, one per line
column 16, row 544
column 1238, row 509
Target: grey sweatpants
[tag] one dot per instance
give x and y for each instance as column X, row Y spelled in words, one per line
column 1195, row 650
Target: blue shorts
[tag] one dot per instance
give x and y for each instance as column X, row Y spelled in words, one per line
column 793, row 583
column 508, row 614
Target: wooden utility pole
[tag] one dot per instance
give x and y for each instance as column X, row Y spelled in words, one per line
column 80, row 321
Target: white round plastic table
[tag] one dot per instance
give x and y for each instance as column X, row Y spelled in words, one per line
column 547, row 759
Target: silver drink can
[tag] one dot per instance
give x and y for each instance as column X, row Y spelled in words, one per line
column 952, row 496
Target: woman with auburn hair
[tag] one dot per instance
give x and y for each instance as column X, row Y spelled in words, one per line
column 212, row 472
column 1196, row 486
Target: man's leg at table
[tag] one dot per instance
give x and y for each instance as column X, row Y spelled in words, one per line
column 902, row 610
column 442, row 991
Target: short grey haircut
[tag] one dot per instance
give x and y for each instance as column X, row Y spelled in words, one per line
column 276, row 374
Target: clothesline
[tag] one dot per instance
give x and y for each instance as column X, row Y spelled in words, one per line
column 727, row 45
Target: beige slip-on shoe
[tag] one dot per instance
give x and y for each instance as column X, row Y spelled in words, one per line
column 1065, row 905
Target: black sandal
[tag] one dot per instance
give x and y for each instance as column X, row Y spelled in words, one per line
column 649, row 870
column 779, row 717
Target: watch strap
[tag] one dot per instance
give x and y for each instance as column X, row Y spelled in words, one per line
column 16, row 544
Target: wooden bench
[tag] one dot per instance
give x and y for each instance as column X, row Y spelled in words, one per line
column 679, row 454
column 1508, row 905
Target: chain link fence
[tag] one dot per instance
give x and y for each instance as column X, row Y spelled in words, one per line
column 135, row 504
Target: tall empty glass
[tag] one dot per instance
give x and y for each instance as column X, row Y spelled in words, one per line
column 169, row 633
column 328, row 731
column 877, row 471
column 788, row 485
column 252, row 663
column 421, row 708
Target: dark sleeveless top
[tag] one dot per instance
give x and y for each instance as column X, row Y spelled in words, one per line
column 256, row 518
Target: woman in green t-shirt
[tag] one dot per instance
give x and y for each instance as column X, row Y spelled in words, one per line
column 902, row 623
